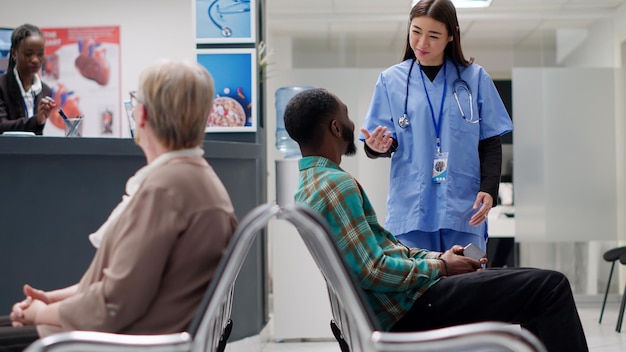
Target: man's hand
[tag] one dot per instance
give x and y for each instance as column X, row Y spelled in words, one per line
column 458, row 264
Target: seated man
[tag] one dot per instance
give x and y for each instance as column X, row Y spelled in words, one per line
column 411, row 289
column 159, row 249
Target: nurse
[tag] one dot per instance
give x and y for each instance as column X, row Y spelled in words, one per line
column 440, row 119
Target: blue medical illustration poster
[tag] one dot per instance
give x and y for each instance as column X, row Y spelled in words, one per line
column 225, row 21
column 5, row 48
column 234, row 75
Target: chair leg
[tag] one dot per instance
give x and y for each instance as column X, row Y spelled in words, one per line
column 224, row 338
column 606, row 293
column 620, row 317
column 337, row 333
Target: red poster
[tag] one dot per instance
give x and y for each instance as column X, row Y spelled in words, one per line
column 83, row 70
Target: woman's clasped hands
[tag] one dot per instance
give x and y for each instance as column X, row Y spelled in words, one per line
column 24, row 312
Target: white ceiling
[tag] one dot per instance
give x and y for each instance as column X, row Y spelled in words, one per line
column 381, row 24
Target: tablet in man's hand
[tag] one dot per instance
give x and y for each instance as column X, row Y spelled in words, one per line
column 472, row 251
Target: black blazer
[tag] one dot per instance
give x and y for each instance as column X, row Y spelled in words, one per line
column 12, row 112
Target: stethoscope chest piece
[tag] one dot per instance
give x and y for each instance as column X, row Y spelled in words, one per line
column 403, row 122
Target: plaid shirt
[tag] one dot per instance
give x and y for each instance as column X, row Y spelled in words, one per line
column 392, row 275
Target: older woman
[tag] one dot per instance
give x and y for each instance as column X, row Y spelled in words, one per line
column 160, row 247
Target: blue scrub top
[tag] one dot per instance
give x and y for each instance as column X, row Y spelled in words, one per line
column 415, row 202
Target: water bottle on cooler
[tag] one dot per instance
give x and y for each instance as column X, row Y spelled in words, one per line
column 284, row 143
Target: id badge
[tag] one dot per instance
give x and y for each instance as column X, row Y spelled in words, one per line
column 440, row 167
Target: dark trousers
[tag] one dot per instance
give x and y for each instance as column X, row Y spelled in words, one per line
column 15, row 339
column 539, row 300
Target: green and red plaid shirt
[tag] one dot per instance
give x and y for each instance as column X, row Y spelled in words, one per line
column 392, row 275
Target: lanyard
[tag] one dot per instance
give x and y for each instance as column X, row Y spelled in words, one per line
column 436, row 122
column 34, row 105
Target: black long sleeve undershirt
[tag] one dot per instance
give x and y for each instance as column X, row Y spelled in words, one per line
column 489, row 153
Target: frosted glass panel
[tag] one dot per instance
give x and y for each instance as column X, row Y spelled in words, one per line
column 565, row 154
column 621, row 148
column 528, row 157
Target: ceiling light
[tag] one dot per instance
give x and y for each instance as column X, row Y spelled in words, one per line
column 465, row 4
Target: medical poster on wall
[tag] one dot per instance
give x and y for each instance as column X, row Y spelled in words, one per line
column 234, row 75
column 225, row 21
column 82, row 68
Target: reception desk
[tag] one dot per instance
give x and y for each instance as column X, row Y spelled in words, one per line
column 56, row 191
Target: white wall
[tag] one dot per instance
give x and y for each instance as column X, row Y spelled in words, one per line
column 620, row 35
column 149, row 30
column 598, row 50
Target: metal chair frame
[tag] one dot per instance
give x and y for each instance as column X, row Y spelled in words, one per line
column 613, row 255
column 622, row 307
column 354, row 323
column 357, row 326
column 211, row 326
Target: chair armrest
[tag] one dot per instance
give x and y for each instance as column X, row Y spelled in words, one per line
column 105, row 342
column 470, row 337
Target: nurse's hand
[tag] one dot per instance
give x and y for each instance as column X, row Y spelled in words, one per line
column 485, row 202
column 379, row 141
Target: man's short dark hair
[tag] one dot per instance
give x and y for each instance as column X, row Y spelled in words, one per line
column 307, row 113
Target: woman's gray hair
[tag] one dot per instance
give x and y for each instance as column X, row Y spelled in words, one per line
column 178, row 97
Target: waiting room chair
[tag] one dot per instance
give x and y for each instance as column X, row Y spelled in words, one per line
column 211, row 326
column 612, row 256
column 356, row 327
column 620, row 317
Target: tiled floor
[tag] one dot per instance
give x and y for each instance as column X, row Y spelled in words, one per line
column 600, row 337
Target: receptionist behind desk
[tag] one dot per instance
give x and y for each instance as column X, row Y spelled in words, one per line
column 25, row 102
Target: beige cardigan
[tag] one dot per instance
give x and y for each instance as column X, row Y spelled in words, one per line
column 157, row 258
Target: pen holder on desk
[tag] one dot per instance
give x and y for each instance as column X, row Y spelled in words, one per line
column 73, row 127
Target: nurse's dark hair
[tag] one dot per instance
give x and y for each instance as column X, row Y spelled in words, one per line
column 444, row 12
column 17, row 37
column 308, row 113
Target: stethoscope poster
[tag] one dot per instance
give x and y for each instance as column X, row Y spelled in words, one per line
column 234, row 76
column 225, row 21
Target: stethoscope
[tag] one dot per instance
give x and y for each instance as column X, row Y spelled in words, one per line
column 458, row 85
column 225, row 10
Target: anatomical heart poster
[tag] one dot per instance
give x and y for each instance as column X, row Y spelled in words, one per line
column 82, row 67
